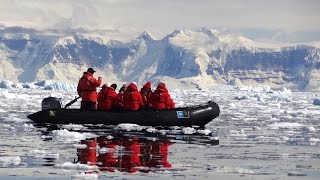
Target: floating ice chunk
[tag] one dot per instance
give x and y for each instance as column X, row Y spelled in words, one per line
column 256, row 128
column 8, row 95
column 311, row 129
column 5, row 84
column 85, row 176
column 286, row 125
column 204, row 131
column 232, row 105
column 73, row 126
column 129, row 127
column 42, row 154
column 237, row 133
column 241, row 97
column 316, row 102
column 214, row 138
column 80, row 146
column 152, row 130
column 67, row 136
column 109, row 137
column 314, row 140
column 26, row 127
column 260, row 97
column 9, row 160
column 238, row 170
column 286, row 91
column 189, row 130
column 69, row 165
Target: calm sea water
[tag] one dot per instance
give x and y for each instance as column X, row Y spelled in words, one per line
column 262, row 136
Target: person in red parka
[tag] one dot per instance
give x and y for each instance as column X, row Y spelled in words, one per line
column 160, row 98
column 145, row 94
column 107, row 97
column 119, row 99
column 87, row 89
column 132, row 99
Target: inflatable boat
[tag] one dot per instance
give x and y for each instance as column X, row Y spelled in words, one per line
column 198, row 115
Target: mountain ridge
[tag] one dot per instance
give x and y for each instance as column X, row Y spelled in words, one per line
column 182, row 58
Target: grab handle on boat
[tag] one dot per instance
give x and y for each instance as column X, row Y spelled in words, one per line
column 71, row 102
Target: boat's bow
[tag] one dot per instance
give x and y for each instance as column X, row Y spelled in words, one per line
column 203, row 114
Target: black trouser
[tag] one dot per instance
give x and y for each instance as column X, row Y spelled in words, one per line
column 87, row 105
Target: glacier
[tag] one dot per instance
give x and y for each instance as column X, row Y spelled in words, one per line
column 182, row 59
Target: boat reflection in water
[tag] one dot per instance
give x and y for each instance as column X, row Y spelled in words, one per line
column 125, row 154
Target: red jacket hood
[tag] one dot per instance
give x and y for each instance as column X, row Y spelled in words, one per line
column 147, row 85
column 132, row 87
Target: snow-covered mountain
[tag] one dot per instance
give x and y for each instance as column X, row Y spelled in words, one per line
column 181, row 59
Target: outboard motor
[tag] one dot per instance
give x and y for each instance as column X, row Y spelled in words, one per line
column 51, row 103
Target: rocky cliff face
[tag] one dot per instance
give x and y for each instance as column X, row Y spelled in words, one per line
column 182, row 58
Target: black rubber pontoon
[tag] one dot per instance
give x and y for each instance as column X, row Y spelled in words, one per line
column 198, row 115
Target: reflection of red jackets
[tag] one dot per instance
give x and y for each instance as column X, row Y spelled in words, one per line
column 109, row 159
column 87, row 87
column 106, row 98
column 132, row 98
column 160, row 98
column 88, row 155
column 159, row 154
column 131, row 160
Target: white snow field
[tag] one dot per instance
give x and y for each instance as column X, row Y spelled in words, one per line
column 263, row 133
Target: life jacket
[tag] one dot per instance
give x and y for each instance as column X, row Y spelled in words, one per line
column 132, row 98
column 87, row 87
column 106, row 98
column 160, row 98
column 119, row 100
column 145, row 94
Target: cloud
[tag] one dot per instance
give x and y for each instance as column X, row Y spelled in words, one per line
column 162, row 15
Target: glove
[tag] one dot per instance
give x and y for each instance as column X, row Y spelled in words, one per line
column 99, row 78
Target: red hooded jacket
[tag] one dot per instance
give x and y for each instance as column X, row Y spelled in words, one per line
column 106, row 98
column 132, row 99
column 145, row 94
column 119, row 99
column 87, row 87
column 160, row 98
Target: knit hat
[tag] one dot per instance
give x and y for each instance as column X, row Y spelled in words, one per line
column 161, row 85
column 147, row 85
column 133, row 85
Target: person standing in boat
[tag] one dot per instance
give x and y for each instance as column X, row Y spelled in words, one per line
column 132, row 99
column 160, row 98
column 87, row 89
column 119, row 99
column 107, row 97
column 145, row 94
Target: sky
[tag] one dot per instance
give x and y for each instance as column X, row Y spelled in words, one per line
column 282, row 19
